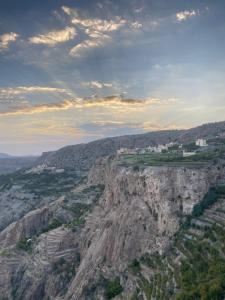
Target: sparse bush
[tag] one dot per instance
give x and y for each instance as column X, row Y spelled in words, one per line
column 135, row 266
column 24, row 245
column 113, row 288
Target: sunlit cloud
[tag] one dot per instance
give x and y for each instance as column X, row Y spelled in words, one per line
column 94, row 23
column 114, row 127
column 98, row 30
column 111, row 102
column 53, row 38
column 80, row 49
column 6, row 39
column 53, row 128
column 30, row 89
column 149, row 126
column 186, row 14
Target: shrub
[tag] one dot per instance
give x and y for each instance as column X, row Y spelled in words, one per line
column 113, row 288
column 135, row 266
column 24, row 245
column 210, row 198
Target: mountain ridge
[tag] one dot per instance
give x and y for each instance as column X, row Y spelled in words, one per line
column 82, row 156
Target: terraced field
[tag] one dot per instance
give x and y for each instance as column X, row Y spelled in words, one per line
column 194, row 266
column 170, row 159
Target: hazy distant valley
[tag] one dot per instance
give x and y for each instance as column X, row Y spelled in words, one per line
column 88, row 222
column 9, row 164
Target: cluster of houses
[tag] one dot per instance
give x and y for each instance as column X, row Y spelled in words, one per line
column 170, row 147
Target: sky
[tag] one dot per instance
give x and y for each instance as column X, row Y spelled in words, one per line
column 73, row 71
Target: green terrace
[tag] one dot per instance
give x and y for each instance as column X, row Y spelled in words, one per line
column 171, row 159
column 44, row 184
column 193, row 268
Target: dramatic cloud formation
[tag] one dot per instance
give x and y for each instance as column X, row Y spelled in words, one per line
column 107, row 102
column 58, row 63
column 6, row 39
column 184, row 15
column 98, row 30
column 97, row 25
column 53, row 38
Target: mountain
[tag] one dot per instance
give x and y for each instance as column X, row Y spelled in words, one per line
column 9, row 164
column 141, row 227
column 4, row 155
column 82, row 156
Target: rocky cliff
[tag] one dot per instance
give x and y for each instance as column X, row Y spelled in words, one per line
column 138, row 214
column 97, row 236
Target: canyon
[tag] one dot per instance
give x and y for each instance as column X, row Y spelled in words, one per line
column 87, row 233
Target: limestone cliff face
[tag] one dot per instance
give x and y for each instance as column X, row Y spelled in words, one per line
column 31, row 224
column 139, row 212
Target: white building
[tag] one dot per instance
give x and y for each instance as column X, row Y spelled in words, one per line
column 160, row 148
column 201, row 143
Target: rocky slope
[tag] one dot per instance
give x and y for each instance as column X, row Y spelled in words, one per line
column 73, row 247
column 82, row 156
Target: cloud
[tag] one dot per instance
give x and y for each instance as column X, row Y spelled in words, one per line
column 149, row 126
column 186, row 14
column 99, row 31
column 6, row 39
column 97, row 84
column 52, row 128
column 79, row 49
column 113, row 128
column 98, row 25
column 30, row 89
column 110, row 102
column 53, row 38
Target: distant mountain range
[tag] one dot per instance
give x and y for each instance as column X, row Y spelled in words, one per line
column 82, row 156
column 4, row 155
column 9, row 164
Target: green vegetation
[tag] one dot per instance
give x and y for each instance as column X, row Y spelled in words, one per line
column 113, row 288
column 67, row 268
column 79, row 211
column 202, row 277
column 75, row 224
column 55, row 223
column 24, row 245
column 46, row 183
column 216, row 141
column 94, row 188
column 194, row 266
column 211, row 197
column 173, row 159
column 135, row 266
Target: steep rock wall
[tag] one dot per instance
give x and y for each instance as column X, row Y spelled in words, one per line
column 139, row 212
